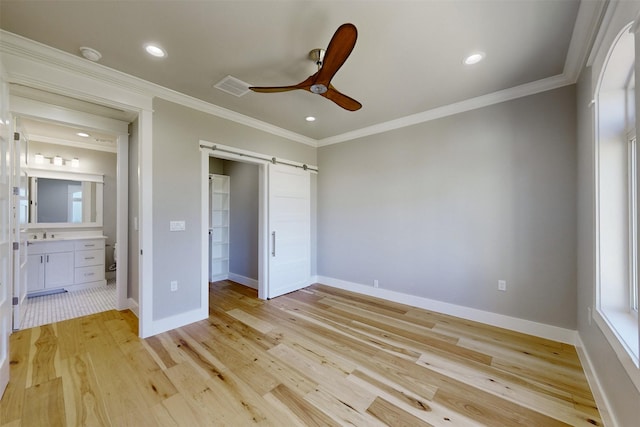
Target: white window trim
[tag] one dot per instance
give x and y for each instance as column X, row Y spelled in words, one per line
column 620, row 325
column 633, row 223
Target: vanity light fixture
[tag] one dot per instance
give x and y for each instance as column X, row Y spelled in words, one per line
column 474, row 58
column 83, row 134
column 57, row 160
column 155, row 50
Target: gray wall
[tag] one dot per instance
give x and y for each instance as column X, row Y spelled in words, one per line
column 176, row 182
column 95, row 162
column 243, row 219
column 445, row 209
column 133, row 271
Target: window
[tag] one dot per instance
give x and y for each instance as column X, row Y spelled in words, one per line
column 633, row 224
column 630, row 87
column 616, row 311
column 75, row 204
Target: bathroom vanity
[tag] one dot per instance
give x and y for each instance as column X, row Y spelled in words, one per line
column 69, row 264
column 65, row 245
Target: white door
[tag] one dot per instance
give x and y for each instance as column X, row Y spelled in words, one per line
column 289, row 229
column 6, row 285
column 19, row 222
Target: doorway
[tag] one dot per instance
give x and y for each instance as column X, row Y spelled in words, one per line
column 103, row 153
column 284, row 220
column 234, row 217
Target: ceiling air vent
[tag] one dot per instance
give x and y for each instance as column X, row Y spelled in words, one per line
column 233, row 86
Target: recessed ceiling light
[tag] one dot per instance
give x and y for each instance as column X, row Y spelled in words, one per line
column 155, row 50
column 310, row 119
column 83, row 134
column 474, row 58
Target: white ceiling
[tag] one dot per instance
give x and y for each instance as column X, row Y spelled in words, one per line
column 407, row 60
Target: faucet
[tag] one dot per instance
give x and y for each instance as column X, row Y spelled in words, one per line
column 44, row 235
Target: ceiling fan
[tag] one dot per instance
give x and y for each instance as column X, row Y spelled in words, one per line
column 329, row 62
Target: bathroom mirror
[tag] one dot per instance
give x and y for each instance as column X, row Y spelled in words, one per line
column 65, row 199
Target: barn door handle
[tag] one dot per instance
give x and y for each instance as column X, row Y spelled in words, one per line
column 273, row 243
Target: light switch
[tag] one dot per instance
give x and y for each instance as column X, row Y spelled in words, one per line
column 177, row 226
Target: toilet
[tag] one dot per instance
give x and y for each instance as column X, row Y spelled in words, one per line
column 115, row 257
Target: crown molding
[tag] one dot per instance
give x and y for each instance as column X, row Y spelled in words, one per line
column 455, row 108
column 590, row 16
column 206, row 107
column 21, row 47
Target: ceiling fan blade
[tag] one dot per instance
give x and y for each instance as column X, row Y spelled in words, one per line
column 341, row 99
column 339, row 49
column 272, row 89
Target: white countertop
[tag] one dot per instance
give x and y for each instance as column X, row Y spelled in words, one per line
column 63, row 238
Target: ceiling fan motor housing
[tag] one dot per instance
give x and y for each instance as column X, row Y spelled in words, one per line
column 318, row 88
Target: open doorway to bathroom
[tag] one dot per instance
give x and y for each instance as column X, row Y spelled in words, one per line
column 73, row 164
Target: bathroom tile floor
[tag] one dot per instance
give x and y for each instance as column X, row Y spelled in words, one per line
column 54, row 308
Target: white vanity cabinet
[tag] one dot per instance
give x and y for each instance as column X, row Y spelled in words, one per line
column 66, row 264
column 89, row 261
column 50, row 265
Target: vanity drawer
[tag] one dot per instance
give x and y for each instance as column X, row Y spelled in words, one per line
column 49, row 247
column 81, row 245
column 87, row 258
column 89, row 274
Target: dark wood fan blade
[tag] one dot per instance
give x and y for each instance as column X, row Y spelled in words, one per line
column 341, row 99
column 271, row 89
column 338, row 51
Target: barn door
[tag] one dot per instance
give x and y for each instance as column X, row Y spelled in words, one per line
column 289, row 229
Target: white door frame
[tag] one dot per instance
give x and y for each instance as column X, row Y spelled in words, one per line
column 263, row 241
column 37, row 66
column 22, row 107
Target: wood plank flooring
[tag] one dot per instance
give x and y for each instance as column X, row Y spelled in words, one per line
column 316, row 357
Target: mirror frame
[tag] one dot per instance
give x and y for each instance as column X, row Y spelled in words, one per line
column 73, row 176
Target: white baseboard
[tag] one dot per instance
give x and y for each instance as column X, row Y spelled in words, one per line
column 555, row 333
column 604, row 407
column 133, row 306
column 173, row 322
column 246, row 281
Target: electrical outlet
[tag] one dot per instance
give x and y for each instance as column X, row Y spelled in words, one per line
column 375, row 283
column 174, row 285
column 502, row 285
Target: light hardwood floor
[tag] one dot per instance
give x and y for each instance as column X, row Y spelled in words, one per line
column 319, row 356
